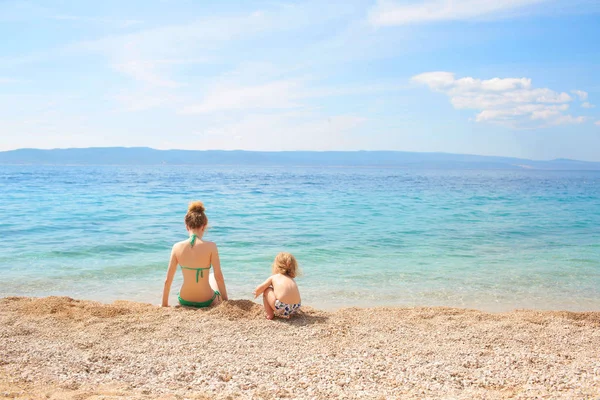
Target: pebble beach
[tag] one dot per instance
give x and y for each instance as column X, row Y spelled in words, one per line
column 61, row 348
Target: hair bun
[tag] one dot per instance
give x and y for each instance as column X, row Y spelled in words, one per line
column 196, row 206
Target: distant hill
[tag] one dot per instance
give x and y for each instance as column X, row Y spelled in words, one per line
column 148, row 156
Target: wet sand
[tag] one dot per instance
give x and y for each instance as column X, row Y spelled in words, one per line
column 60, row 348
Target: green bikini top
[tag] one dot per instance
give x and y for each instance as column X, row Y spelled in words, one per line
column 199, row 271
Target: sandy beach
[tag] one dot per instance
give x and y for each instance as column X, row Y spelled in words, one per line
column 60, row 348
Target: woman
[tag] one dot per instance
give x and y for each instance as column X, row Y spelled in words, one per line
column 200, row 288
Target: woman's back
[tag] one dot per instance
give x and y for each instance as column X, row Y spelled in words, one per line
column 195, row 257
column 195, row 262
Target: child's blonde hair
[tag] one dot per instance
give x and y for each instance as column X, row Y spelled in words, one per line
column 285, row 264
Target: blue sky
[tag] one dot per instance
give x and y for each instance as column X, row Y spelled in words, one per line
column 506, row 77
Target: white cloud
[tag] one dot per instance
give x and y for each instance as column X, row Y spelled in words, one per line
column 284, row 131
column 392, row 13
column 272, row 95
column 445, row 80
column 597, row 123
column 587, row 105
column 581, row 94
column 568, row 119
column 510, row 101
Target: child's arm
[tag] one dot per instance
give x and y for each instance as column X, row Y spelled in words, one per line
column 262, row 287
column 170, row 274
column 216, row 263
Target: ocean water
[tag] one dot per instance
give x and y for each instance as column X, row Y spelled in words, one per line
column 491, row 240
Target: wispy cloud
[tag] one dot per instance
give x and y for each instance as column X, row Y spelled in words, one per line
column 279, row 94
column 273, row 95
column 8, row 80
column 285, row 131
column 152, row 72
column 123, row 23
column 509, row 101
column 149, row 55
column 581, row 94
column 26, row 10
column 207, row 39
column 389, row 13
column 141, row 100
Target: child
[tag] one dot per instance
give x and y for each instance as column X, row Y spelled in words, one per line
column 280, row 293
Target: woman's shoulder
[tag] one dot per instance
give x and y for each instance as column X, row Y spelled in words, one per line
column 205, row 245
column 179, row 245
column 212, row 245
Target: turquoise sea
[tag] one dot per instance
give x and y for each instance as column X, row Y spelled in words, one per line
column 491, row 240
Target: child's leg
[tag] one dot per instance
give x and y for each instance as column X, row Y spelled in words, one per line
column 269, row 302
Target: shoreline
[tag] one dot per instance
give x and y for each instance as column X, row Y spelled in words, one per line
column 67, row 348
column 340, row 305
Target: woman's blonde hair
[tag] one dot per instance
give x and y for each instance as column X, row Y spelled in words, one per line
column 195, row 217
column 286, row 264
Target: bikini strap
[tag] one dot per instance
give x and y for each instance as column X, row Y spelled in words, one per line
column 199, row 271
column 193, row 240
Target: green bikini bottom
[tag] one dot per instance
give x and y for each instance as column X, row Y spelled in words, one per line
column 196, row 304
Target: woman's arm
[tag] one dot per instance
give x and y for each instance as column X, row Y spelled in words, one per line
column 263, row 286
column 170, row 274
column 216, row 264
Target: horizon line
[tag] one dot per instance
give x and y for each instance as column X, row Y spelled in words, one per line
column 294, row 151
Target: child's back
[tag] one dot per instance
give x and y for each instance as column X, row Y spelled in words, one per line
column 285, row 289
